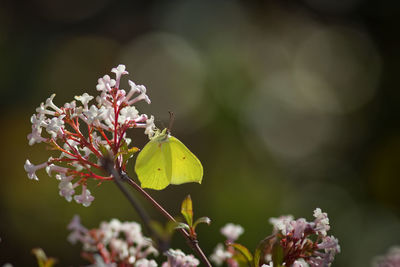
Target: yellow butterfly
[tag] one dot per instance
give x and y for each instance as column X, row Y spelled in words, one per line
column 165, row 160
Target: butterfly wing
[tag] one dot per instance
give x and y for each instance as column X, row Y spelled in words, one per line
column 186, row 167
column 153, row 165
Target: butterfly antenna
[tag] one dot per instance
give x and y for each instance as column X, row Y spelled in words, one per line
column 171, row 121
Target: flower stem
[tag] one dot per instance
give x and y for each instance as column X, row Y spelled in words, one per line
column 162, row 243
column 193, row 243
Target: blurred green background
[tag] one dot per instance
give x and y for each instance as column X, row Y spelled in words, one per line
column 290, row 105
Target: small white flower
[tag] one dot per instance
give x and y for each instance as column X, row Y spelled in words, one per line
column 145, row 263
column 49, row 103
column 283, row 224
column 78, row 230
column 220, row 255
column 42, row 110
column 76, row 225
column 103, row 100
column 133, row 232
column 321, row 222
column 137, row 89
column 66, row 187
column 115, row 225
column 70, row 105
column 85, row 198
column 300, row 263
column 134, row 90
column 31, row 169
column 232, row 231
column 128, row 113
column 54, row 168
column 120, row 247
column 38, row 120
column 119, row 71
column 331, row 243
column 85, row 99
column 150, row 127
column 91, row 114
column 55, row 126
column 105, row 83
column 176, row 258
column 299, row 226
column 35, row 136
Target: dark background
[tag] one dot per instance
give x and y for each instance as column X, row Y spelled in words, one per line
column 290, row 105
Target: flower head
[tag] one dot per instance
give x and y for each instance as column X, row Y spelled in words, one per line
column 145, row 263
column 302, row 243
column 31, row 169
column 121, row 243
column 305, row 243
column 176, row 258
column 82, row 132
column 220, row 255
column 232, row 231
column 391, row 259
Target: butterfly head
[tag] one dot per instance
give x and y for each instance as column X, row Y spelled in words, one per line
column 161, row 136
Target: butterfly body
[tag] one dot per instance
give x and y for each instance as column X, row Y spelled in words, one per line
column 165, row 160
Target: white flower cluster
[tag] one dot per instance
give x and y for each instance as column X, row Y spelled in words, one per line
column 232, row 231
column 176, row 258
column 52, row 118
column 287, row 224
column 391, row 259
column 118, row 243
column 105, row 122
column 220, row 255
column 122, row 241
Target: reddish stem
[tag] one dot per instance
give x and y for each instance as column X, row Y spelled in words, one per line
column 105, row 136
column 83, row 140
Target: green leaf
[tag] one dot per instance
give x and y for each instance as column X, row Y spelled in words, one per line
column 104, row 151
column 187, row 210
column 182, row 226
column 42, row 259
column 158, row 228
column 268, row 241
column 244, row 251
column 126, row 152
column 129, row 154
column 201, row 220
column 277, row 254
column 171, row 226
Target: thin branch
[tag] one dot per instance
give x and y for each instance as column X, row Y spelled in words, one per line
column 109, row 166
column 193, row 243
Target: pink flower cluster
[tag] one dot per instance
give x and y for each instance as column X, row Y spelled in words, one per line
column 301, row 243
column 391, row 259
column 305, row 241
column 84, row 133
column 118, row 243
